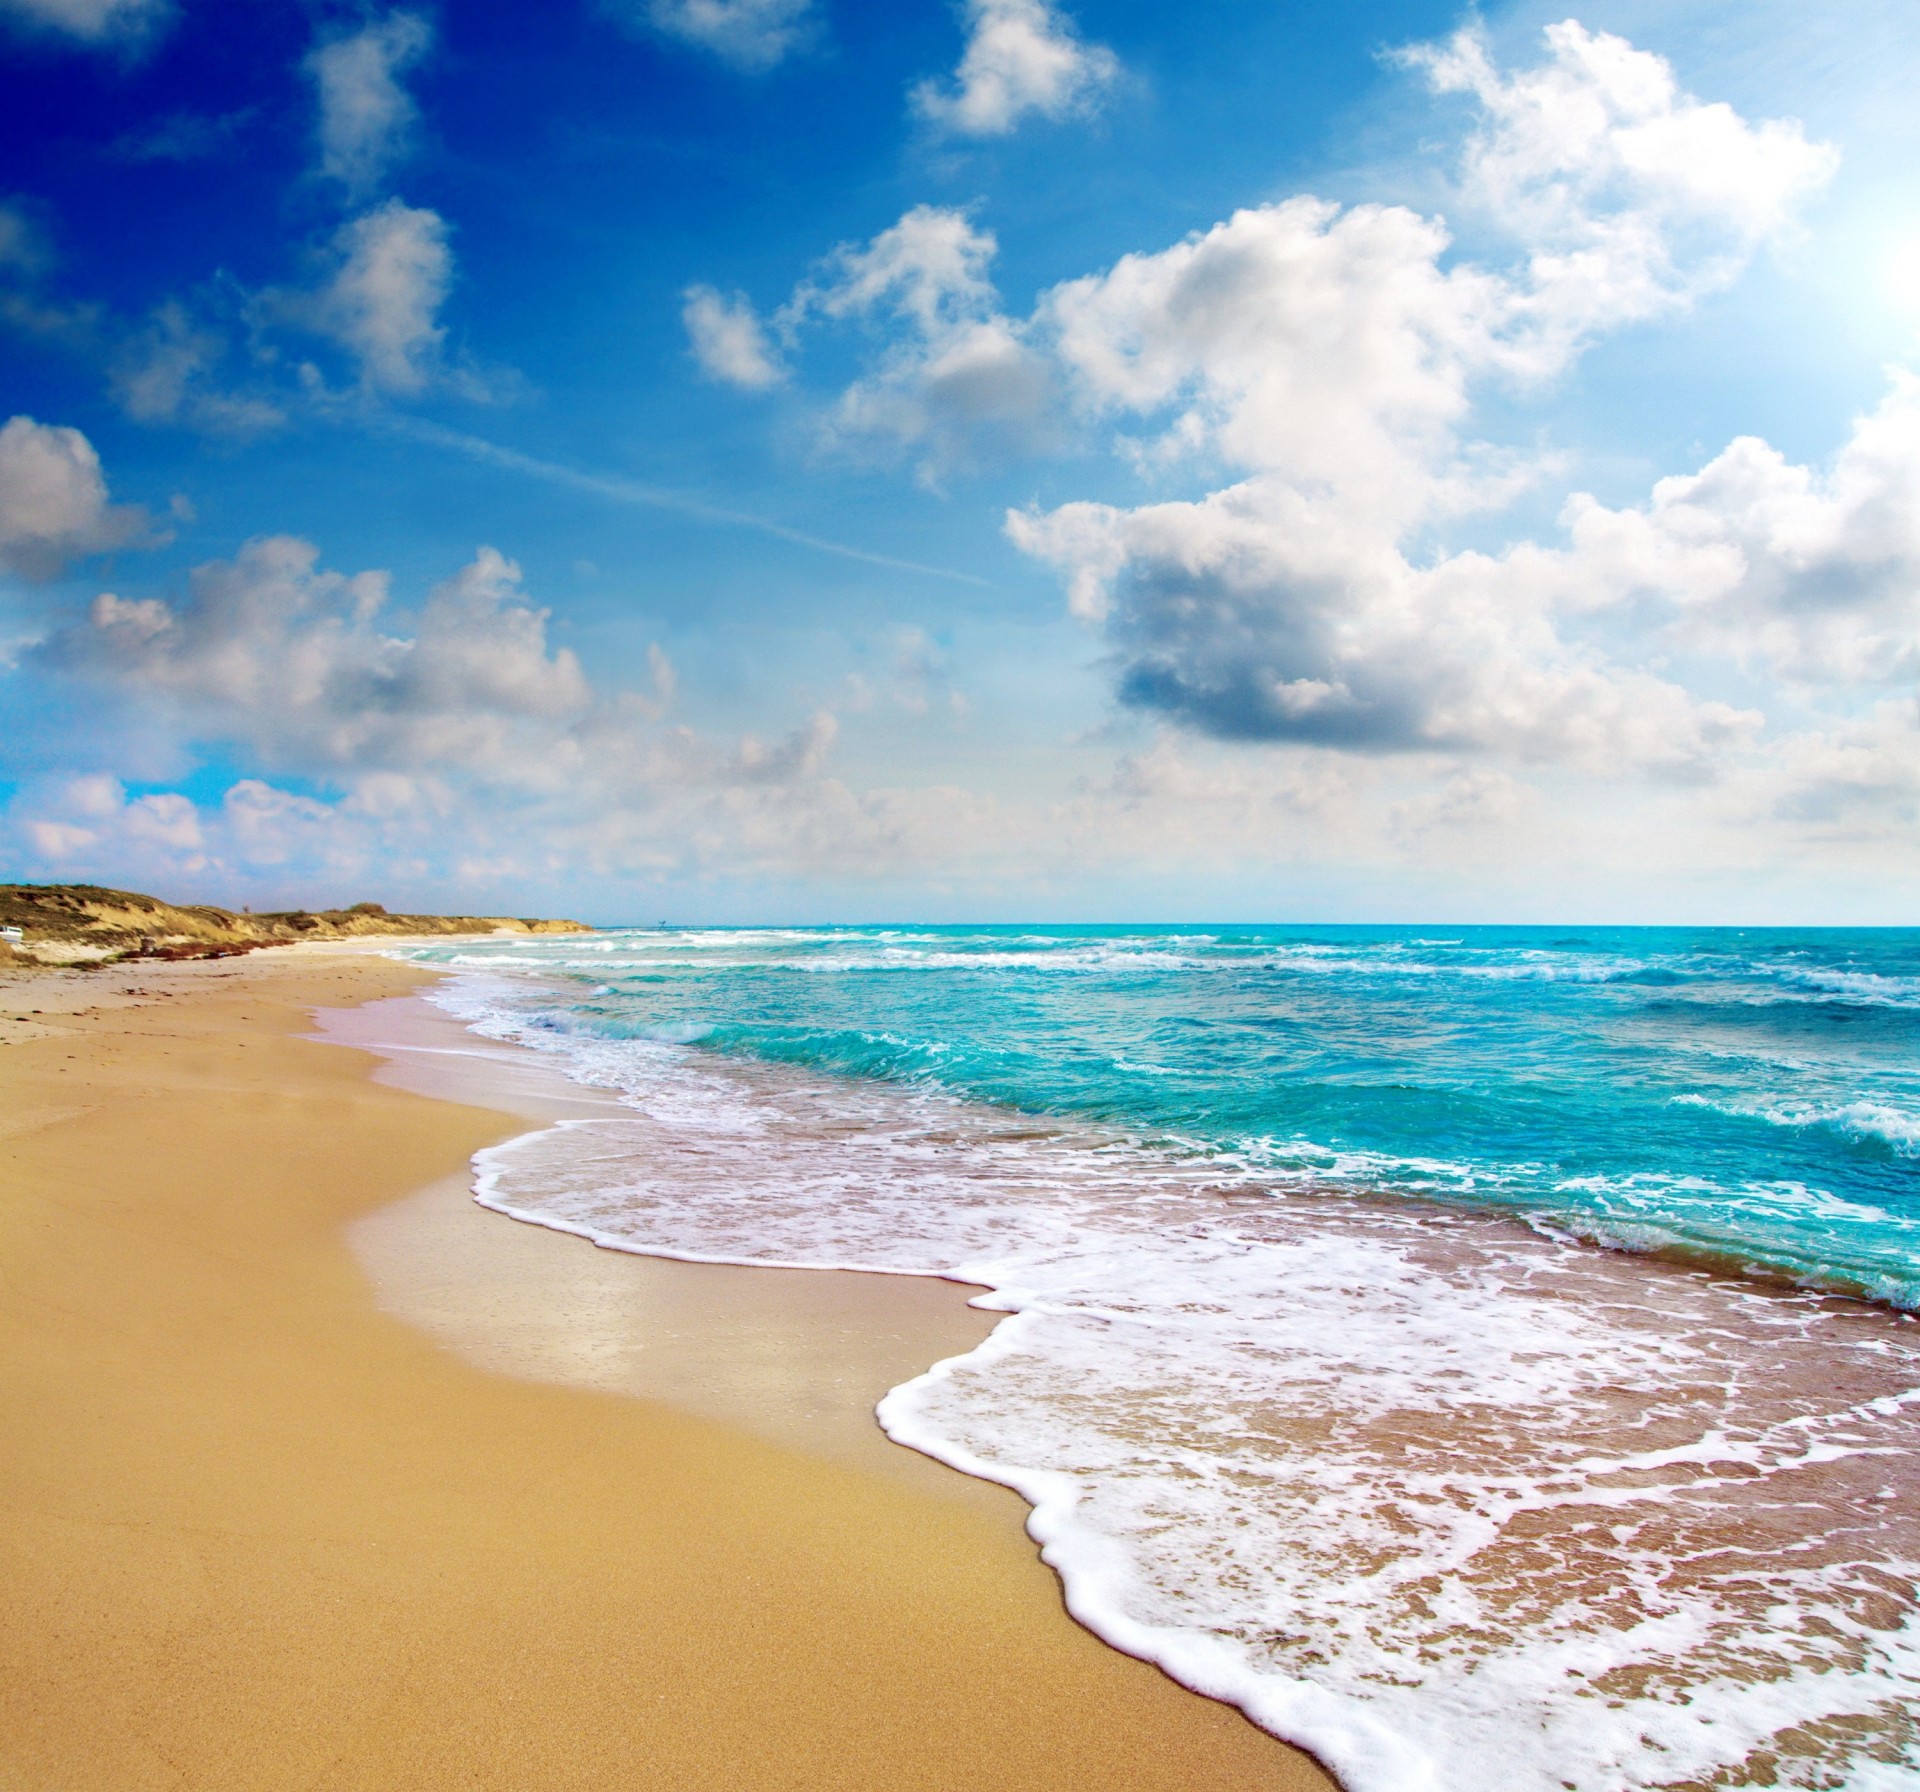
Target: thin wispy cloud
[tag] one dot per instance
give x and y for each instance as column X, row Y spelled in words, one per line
column 751, row 36
column 100, row 24
column 631, row 491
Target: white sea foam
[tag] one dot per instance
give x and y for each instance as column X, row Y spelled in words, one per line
column 1446, row 1502
column 1861, row 986
column 1876, row 1120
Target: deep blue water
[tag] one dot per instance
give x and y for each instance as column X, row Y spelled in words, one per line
column 1751, row 1093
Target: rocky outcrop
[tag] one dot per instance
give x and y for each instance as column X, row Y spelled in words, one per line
column 80, row 924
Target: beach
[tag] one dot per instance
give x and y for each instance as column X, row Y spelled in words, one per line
column 264, row 1531
column 1319, row 1390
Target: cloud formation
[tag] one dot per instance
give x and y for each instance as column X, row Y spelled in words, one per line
column 294, row 662
column 1022, row 60
column 366, row 116
column 957, row 379
column 54, row 507
column 728, row 340
column 1332, row 356
column 750, row 35
column 106, row 24
column 393, row 269
column 1812, row 576
column 174, row 368
column 1328, row 361
column 461, row 710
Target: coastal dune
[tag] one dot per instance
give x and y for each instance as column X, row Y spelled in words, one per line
column 263, row 1534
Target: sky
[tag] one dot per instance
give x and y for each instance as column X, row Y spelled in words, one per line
column 811, row 460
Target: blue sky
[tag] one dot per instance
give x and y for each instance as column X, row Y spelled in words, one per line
column 757, row 459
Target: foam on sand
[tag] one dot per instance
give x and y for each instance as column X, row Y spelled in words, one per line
column 1445, row 1500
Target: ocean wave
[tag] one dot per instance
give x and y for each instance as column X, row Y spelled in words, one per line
column 1874, row 1122
column 1443, row 1501
column 1860, row 986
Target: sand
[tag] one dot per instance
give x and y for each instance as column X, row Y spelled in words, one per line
column 270, row 1525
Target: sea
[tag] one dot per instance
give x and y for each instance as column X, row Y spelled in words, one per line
column 1484, row 1355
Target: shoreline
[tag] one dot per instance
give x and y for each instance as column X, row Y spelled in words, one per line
column 265, row 1533
column 798, row 1356
column 1582, row 1504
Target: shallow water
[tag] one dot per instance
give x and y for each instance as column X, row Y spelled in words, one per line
column 1318, row 1398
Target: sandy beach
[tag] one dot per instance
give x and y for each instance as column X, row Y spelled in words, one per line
column 271, row 1524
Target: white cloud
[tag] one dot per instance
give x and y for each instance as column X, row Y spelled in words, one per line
column 1331, row 358
column 1253, row 615
column 366, row 116
column 752, row 35
column 79, row 819
column 394, row 271
column 294, row 662
column 1022, row 59
column 53, row 501
column 1859, row 777
column 728, row 340
column 167, row 372
column 106, row 23
column 1814, row 576
column 1326, row 346
column 929, row 269
column 462, row 711
column 958, row 377
column 1632, row 196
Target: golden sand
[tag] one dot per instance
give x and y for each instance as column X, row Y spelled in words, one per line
column 260, row 1533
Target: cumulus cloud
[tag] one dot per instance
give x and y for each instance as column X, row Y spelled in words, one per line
column 1631, row 195
column 958, row 377
column 53, row 501
column 453, row 739
column 751, row 35
column 1248, row 616
column 366, row 116
column 91, row 810
column 1331, row 357
column 107, row 24
column 1858, row 777
column 1812, row 575
column 462, row 707
column 294, row 662
column 89, row 825
column 1022, row 60
column 393, row 270
column 728, row 340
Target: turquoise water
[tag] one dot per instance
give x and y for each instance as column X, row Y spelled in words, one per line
column 1753, row 1093
column 1318, row 1389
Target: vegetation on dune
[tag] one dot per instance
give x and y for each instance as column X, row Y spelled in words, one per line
column 81, row 924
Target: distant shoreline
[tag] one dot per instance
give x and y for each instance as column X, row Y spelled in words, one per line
column 79, row 925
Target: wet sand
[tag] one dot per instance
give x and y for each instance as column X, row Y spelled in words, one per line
column 310, row 1483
